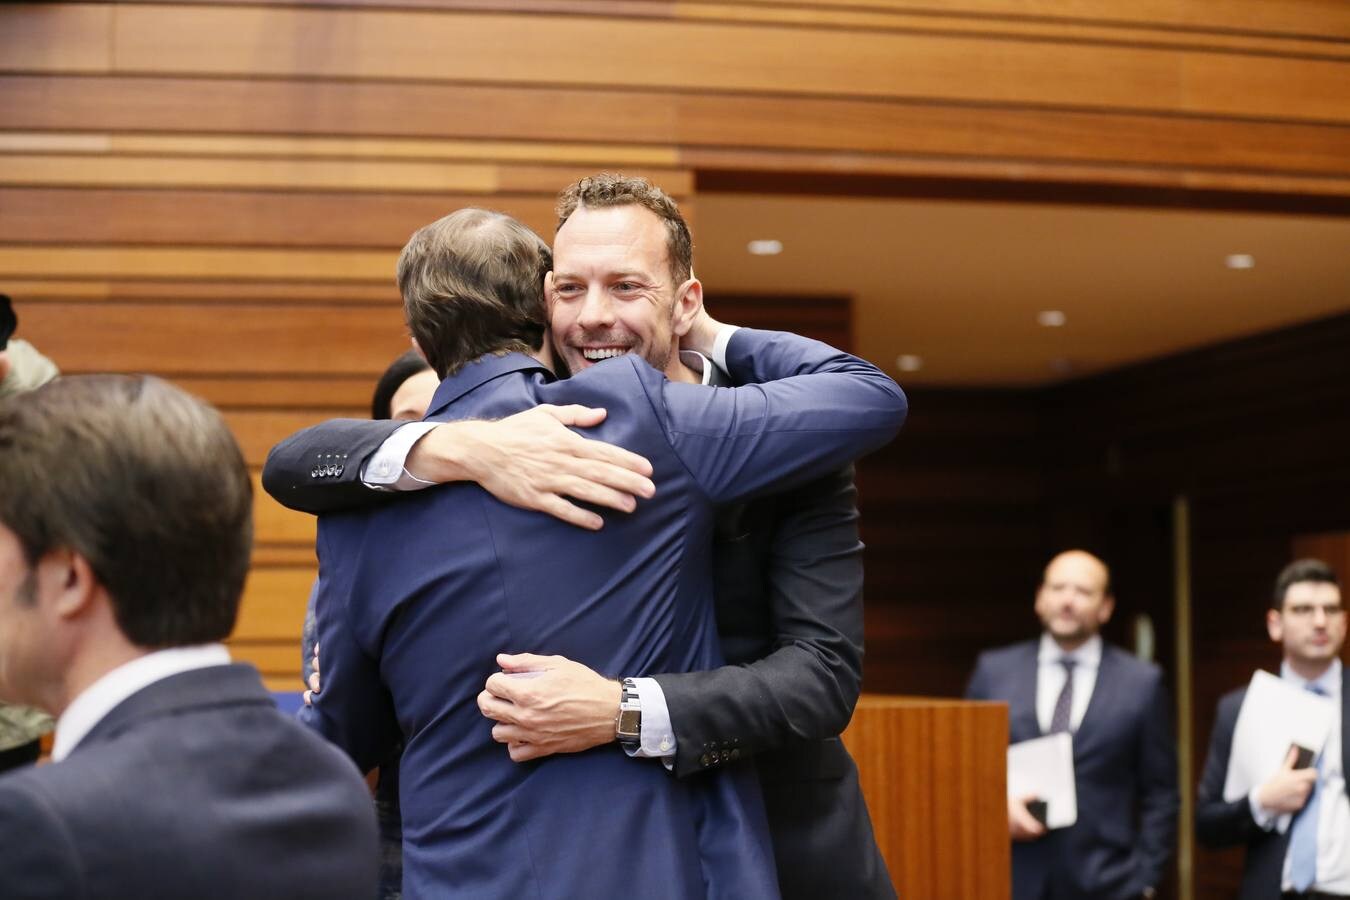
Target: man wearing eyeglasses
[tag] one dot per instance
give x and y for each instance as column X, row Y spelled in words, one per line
column 1296, row 826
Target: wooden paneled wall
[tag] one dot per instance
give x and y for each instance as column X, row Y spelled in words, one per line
column 216, row 191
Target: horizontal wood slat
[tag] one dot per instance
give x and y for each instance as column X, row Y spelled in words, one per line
column 937, row 134
column 300, row 174
column 340, row 148
column 219, row 339
column 471, row 46
column 241, row 218
column 58, row 289
column 215, row 264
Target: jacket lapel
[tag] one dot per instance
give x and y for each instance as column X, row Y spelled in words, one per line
column 1101, row 699
column 1023, row 724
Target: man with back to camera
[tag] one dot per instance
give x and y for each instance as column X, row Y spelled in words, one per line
column 1124, row 759
column 415, row 597
column 1296, row 826
column 788, row 580
column 125, row 531
column 22, row 368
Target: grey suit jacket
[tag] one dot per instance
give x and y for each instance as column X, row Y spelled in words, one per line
column 195, row 786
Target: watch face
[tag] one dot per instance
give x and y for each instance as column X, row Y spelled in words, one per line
column 630, row 723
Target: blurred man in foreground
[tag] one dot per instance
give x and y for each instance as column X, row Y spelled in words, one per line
column 1124, row 758
column 125, row 531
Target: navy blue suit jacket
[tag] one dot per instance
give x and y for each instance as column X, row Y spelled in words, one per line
column 416, row 598
column 194, row 786
column 1219, row 823
column 1125, row 774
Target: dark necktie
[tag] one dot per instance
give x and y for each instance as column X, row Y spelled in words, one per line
column 1059, row 721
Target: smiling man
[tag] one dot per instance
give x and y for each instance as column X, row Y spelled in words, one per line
column 1296, row 826
column 1125, row 768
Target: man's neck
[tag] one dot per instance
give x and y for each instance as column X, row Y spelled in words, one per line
column 677, row 370
column 89, row 667
column 1070, row 644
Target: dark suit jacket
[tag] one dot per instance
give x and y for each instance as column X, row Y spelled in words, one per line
column 194, row 786
column 1125, row 774
column 1222, row 824
column 788, row 588
column 418, row 597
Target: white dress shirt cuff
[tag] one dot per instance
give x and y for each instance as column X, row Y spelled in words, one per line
column 658, row 738
column 385, row 471
column 1264, row 818
column 719, row 357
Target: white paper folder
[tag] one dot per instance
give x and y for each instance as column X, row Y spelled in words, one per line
column 1043, row 767
column 1274, row 715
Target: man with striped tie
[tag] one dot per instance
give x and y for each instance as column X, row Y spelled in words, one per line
column 1296, row 826
column 1125, row 768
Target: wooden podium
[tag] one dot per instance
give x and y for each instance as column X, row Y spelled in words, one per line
column 934, row 773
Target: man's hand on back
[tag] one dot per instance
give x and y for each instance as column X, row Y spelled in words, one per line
column 531, row 460
column 549, row 704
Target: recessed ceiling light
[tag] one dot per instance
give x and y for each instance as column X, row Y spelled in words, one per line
column 908, row 362
column 1051, row 318
column 1239, row 261
column 765, row 248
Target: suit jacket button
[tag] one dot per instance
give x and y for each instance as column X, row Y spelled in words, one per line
column 313, row 473
column 339, row 471
column 735, row 754
column 706, row 760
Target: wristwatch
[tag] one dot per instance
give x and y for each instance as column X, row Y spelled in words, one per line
column 628, row 724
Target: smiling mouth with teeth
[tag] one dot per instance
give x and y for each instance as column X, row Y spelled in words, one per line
column 596, row 354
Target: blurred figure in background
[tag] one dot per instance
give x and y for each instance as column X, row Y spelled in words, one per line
column 1296, row 826
column 1124, row 758
column 22, row 368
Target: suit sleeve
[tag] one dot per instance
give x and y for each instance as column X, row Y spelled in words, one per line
column 40, row 861
column 817, row 409
column 354, row 709
column 1159, row 798
column 1219, row 823
column 806, row 688
column 302, row 472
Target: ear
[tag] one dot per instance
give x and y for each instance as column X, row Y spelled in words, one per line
column 688, row 304
column 1275, row 625
column 1106, row 609
column 67, row 582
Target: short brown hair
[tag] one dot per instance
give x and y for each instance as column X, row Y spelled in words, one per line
column 472, row 284
column 146, row 484
column 605, row 189
column 1297, row 572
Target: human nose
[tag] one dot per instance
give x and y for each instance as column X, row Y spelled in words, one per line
column 596, row 310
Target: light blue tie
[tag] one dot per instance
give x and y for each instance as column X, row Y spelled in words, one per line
column 1303, row 833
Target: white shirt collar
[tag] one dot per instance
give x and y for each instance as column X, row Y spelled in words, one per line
column 1329, row 682
column 1089, row 654
column 101, row 697
column 699, row 363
